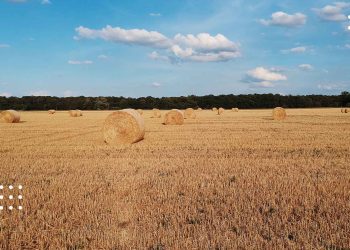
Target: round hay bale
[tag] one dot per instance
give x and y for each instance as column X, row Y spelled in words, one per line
column 156, row 113
column 124, row 127
column 235, row 109
column 140, row 111
column 75, row 113
column 221, row 111
column 215, row 109
column 174, row 117
column 346, row 110
column 199, row 109
column 189, row 114
column 279, row 114
column 10, row 116
column 52, row 111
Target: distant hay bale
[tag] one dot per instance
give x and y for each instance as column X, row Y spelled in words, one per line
column 189, row 113
column 174, row 117
column 221, row 111
column 342, row 110
column 140, row 111
column 125, row 126
column 235, row 109
column 215, row 110
column 156, row 113
column 199, row 109
column 10, row 116
column 52, row 111
column 279, row 114
column 75, row 113
column 346, row 110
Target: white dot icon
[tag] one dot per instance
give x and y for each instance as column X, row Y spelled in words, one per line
column 20, row 207
column 1, row 207
column 20, row 197
column 20, row 187
column 10, row 207
column 1, row 187
column 1, row 197
column 10, row 187
column 10, row 197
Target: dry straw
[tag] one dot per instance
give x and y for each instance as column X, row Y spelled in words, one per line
column 279, row 114
column 140, row 111
column 174, row 117
column 75, row 113
column 124, row 127
column 10, row 116
column 156, row 113
column 235, row 109
column 189, row 113
column 52, row 111
column 221, row 111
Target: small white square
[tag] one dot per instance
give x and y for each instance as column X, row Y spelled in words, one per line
column 20, row 207
column 1, row 208
column 10, row 187
column 1, row 187
column 20, row 197
column 10, row 207
column 1, row 197
column 20, row 186
column 10, row 196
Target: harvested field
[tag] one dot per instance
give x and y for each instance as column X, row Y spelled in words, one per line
column 241, row 180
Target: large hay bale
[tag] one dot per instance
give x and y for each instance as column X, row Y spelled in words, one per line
column 279, row 114
column 52, row 111
column 124, row 127
column 221, row 111
column 156, row 113
column 235, row 109
column 75, row 113
column 140, row 111
column 215, row 110
column 189, row 113
column 174, row 117
column 10, row 116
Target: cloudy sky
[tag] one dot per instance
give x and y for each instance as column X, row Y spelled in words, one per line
column 171, row 48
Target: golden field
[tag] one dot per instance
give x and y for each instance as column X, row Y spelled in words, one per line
column 235, row 181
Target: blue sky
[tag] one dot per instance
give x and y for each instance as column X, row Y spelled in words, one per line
column 172, row 48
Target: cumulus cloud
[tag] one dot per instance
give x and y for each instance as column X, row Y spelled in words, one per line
column 305, row 67
column 156, row 84
column 74, row 62
column 297, row 50
column 283, row 19
column 102, row 57
column 202, row 47
column 333, row 12
column 263, row 77
column 5, row 94
column 155, row 14
column 119, row 35
column 4, row 45
column 39, row 93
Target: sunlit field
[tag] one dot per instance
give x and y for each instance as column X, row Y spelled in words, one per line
column 239, row 180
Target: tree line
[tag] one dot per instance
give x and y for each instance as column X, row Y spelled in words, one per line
column 249, row 101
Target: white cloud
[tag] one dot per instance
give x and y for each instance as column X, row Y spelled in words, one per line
column 156, row 84
column 74, row 62
column 331, row 86
column 102, row 57
column 298, row 50
column 198, row 48
column 5, row 94
column 306, row 67
column 45, row 2
column 155, row 14
column 39, row 93
column 264, row 84
column 261, row 74
column 283, row 19
column 4, row 46
column 67, row 93
column 333, row 12
column 119, row 35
